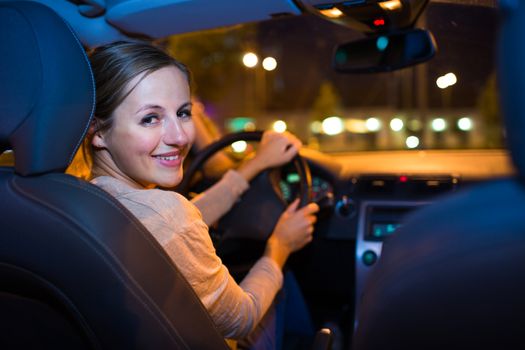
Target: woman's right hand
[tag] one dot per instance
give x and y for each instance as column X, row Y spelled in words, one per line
column 292, row 232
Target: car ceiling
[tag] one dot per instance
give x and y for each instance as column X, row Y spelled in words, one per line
column 101, row 21
column 98, row 22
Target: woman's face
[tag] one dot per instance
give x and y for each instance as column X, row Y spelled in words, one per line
column 152, row 131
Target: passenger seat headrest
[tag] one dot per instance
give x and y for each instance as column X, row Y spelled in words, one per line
column 47, row 91
column 511, row 74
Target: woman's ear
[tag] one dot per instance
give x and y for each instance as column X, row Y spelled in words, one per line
column 97, row 139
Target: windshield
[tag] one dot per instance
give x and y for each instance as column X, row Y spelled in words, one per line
column 288, row 83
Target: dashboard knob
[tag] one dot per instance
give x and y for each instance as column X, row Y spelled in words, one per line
column 345, row 207
column 369, row 258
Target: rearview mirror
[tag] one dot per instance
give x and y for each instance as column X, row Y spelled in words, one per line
column 385, row 52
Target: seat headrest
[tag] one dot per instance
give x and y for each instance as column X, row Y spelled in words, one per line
column 47, row 91
column 511, row 73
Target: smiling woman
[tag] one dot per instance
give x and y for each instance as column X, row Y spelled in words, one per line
column 130, row 149
column 141, row 132
column 147, row 149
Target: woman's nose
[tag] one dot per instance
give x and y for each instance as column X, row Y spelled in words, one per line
column 174, row 133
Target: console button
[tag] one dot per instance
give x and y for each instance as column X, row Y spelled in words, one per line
column 369, row 257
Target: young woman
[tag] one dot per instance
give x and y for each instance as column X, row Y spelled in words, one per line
column 141, row 133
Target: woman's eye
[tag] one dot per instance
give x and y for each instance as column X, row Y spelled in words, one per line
column 184, row 114
column 149, row 119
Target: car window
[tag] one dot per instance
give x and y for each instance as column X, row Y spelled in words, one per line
column 334, row 112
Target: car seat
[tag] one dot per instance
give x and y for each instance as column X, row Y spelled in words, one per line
column 77, row 270
column 453, row 277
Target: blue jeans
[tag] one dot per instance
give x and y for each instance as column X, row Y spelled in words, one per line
column 288, row 314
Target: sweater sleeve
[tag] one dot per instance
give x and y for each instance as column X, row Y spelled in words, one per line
column 178, row 226
column 219, row 198
column 236, row 309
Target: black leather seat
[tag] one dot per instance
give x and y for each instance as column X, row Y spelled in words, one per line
column 77, row 270
column 454, row 275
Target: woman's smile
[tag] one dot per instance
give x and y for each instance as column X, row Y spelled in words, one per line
column 172, row 159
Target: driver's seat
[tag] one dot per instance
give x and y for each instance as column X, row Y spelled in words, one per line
column 77, row 270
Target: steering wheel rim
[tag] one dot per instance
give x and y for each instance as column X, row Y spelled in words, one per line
column 301, row 166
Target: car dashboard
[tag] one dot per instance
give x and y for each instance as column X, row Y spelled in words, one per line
column 359, row 211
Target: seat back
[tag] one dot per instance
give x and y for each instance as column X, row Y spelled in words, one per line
column 77, row 270
column 452, row 277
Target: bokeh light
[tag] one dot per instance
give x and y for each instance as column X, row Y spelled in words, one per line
column 250, row 59
column 332, row 125
column 373, row 124
column 269, row 63
column 439, row 124
column 239, row 146
column 279, row 126
column 412, row 142
column 396, row 124
column 465, row 124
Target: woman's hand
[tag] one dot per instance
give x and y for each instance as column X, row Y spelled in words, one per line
column 292, row 232
column 275, row 149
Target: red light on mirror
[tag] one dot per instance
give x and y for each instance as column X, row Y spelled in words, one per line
column 378, row 22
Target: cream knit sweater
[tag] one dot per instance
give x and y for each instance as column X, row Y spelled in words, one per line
column 181, row 229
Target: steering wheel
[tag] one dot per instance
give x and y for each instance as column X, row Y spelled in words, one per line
column 240, row 235
column 301, row 166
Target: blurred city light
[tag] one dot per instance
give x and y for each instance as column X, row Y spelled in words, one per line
column 446, row 80
column 396, row 124
column 412, row 142
column 373, row 124
column 332, row 125
column 451, row 78
column 240, row 124
column 250, row 59
column 279, row 126
column 316, row 127
column 239, row 146
column 249, row 126
column 439, row 124
column 356, row 126
column 465, row 124
column 269, row 63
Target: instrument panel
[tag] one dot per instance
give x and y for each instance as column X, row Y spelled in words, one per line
column 289, row 186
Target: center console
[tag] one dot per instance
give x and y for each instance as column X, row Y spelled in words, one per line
column 377, row 221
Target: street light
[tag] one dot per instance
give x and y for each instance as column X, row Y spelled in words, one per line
column 396, row 124
column 412, row 141
column 443, row 82
column 269, row 64
column 373, row 124
column 439, row 125
column 446, row 80
column 465, row 124
column 250, row 59
column 332, row 125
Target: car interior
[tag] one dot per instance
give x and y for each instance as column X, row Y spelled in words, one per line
column 415, row 247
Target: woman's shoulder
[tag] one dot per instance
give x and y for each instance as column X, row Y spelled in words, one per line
column 165, row 203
